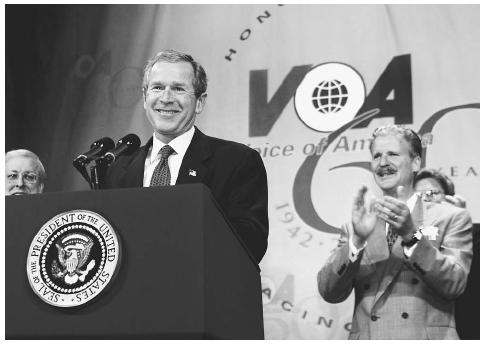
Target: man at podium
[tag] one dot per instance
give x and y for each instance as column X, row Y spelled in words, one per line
column 174, row 93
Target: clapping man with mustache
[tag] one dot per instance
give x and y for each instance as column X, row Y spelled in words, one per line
column 406, row 259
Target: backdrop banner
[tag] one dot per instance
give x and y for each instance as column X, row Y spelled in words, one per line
column 304, row 85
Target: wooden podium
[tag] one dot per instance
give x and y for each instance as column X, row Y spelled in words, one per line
column 183, row 272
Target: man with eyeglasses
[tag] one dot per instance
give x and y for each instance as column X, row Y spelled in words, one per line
column 406, row 259
column 24, row 173
column 174, row 94
column 436, row 187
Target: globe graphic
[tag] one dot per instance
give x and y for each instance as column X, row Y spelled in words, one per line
column 330, row 96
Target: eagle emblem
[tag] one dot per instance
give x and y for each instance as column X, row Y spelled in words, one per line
column 73, row 253
column 77, row 259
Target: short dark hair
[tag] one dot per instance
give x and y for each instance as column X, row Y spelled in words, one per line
column 444, row 181
column 409, row 135
column 170, row 55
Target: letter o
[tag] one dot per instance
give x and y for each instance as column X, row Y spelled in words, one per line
column 311, row 151
column 245, row 34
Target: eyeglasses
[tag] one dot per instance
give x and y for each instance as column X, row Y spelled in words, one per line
column 429, row 195
column 174, row 90
column 29, row 178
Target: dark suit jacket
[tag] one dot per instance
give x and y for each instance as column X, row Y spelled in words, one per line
column 234, row 173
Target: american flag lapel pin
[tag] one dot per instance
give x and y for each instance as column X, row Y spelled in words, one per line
column 192, row 172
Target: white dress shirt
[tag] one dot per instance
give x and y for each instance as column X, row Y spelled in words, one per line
column 354, row 252
column 179, row 144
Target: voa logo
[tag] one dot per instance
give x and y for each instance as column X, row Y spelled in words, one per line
column 330, row 95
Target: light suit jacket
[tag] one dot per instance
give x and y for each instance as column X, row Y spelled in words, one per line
column 404, row 298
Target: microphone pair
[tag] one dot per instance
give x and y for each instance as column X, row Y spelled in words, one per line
column 104, row 149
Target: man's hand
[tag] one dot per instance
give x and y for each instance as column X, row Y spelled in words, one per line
column 396, row 213
column 363, row 218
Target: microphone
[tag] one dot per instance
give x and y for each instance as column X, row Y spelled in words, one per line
column 125, row 146
column 98, row 148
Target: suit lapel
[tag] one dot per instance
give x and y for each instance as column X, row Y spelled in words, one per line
column 380, row 257
column 391, row 268
column 194, row 165
column 134, row 169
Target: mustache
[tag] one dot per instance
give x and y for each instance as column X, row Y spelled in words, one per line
column 385, row 170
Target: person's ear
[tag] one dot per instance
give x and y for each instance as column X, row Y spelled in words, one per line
column 200, row 103
column 416, row 163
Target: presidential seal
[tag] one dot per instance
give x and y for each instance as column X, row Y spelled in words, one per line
column 72, row 258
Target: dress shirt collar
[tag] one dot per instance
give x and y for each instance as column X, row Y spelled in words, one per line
column 179, row 144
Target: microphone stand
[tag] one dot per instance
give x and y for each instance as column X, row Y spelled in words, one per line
column 98, row 171
column 82, row 169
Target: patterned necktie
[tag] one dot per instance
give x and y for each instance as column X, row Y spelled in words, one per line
column 161, row 174
column 391, row 237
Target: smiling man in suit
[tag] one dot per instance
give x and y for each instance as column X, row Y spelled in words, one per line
column 174, row 93
column 406, row 259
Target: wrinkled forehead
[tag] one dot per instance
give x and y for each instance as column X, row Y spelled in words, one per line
column 390, row 142
column 21, row 164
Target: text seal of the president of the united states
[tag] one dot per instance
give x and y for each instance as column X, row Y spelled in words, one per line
column 73, row 257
